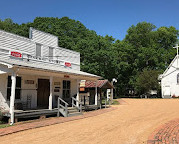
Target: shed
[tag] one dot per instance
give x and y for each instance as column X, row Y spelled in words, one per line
column 89, row 88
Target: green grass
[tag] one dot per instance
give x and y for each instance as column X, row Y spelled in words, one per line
column 4, row 125
column 115, row 102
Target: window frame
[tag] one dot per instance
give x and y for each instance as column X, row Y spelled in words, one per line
column 50, row 57
column 66, row 89
column 40, row 50
column 178, row 78
column 18, row 88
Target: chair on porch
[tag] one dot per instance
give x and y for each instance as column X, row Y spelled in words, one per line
column 27, row 103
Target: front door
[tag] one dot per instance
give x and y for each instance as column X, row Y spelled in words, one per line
column 67, row 91
column 43, row 93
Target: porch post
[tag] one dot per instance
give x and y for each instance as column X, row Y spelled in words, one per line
column 12, row 98
column 96, row 94
column 77, row 95
column 51, row 89
column 111, row 96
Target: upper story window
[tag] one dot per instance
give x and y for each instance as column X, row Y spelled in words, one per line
column 38, row 50
column 178, row 78
column 51, row 52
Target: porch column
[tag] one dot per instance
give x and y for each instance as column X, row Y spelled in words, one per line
column 112, row 94
column 51, row 90
column 77, row 92
column 12, row 98
column 96, row 94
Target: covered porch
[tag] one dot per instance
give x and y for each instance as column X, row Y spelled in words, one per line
column 88, row 90
column 34, row 92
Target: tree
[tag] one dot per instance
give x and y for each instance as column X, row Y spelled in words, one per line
column 144, row 47
column 147, row 80
column 152, row 48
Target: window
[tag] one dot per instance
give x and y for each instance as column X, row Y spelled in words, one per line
column 178, row 78
column 38, row 50
column 66, row 89
column 18, row 88
column 50, row 53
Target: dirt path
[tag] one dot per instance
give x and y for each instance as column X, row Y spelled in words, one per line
column 130, row 123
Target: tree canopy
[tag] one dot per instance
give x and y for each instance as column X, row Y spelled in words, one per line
column 144, row 47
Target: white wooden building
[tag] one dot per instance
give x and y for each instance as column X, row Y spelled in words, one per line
column 170, row 80
column 35, row 72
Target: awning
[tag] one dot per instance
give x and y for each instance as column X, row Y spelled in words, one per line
column 47, row 67
column 100, row 84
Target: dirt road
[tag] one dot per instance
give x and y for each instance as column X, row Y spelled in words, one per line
column 131, row 123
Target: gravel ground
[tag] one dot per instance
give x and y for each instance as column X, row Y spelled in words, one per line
column 131, row 123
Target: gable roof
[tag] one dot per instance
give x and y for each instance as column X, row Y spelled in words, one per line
column 168, row 67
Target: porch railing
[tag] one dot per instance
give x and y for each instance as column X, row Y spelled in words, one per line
column 62, row 107
column 76, row 103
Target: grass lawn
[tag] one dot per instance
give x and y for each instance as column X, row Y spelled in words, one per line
column 4, row 125
column 115, row 102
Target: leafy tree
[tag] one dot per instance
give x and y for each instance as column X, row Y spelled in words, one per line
column 147, row 80
column 144, row 47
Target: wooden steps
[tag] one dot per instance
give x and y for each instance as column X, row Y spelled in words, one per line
column 72, row 111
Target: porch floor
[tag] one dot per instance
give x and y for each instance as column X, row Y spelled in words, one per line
column 33, row 113
column 90, row 107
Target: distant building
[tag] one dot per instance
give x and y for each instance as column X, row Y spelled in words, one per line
column 170, row 80
column 88, row 90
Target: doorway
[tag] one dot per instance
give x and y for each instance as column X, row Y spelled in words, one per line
column 67, row 91
column 43, row 93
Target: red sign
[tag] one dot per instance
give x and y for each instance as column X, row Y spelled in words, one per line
column 16, row 54
column 67, row 64
column 66, row 76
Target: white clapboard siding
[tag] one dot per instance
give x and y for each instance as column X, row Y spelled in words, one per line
column 45, row 51
column 15, row 42
column 68, row 55
column 4, row 55
column 43, row 38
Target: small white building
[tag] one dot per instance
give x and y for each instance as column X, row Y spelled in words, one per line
column 170, row 80
column 35, row 72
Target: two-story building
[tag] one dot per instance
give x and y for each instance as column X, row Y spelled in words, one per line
column 35, row 72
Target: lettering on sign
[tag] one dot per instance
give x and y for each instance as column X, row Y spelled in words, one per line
column 29, row 81
column 16, row 54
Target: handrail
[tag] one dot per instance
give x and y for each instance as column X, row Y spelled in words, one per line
column 63, row 101
column 65, row 108
column 77, row 103
column 76, row 100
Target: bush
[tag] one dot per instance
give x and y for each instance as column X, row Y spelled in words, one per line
column 175, row 96
column 115, row 102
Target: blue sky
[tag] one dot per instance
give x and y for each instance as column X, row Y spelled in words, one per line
column 112, row 17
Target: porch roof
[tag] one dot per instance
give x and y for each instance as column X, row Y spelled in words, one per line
column 100, row 84
column 46, row 67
